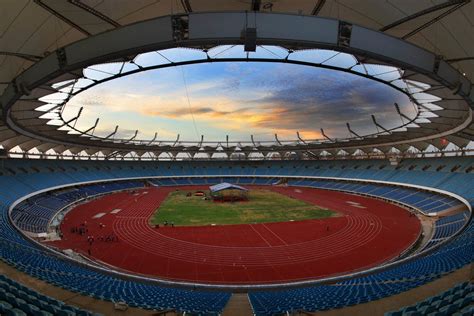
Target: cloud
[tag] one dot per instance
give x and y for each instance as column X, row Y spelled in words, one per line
column 246, row 99
column 305, row 101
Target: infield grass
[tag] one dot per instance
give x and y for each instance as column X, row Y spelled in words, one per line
column 263, row 206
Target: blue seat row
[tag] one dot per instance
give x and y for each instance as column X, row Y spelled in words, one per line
column 17, row 299
column 35, row 213
column 372, row 287
column 459, row 301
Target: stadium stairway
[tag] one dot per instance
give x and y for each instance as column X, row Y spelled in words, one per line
column 238, row 305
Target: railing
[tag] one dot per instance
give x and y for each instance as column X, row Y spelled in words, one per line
column 426, row 154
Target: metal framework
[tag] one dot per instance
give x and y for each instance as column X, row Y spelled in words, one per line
column 89, row 9
column 70, row 91
column 317, row 8
column 61, row 17
column 426, row 11
column 421, row 73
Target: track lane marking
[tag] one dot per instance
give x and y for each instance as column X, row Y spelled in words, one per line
column 271, row 231
column 253, row 228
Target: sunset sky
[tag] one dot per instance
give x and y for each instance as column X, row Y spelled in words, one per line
column 236, row 99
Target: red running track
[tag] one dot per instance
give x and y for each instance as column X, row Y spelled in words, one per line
column 365, row 235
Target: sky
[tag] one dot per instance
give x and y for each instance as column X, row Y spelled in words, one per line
column 238, row 99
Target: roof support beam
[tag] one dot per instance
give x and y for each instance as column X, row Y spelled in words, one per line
column 186, row 6
column 378, row 125
column 133, row 137
column 253, row 142
column 176, row 141
column 319, row 5
column 113, row 133
column 424, row 12
column 112, row 155
column 255, row 6
column 299, row 137
column 277, row 140
column 202, row 141
column 29, row 57
column 100, row 15
column 124, row 43
column 455, row 60
column 326, row 136
column 436, row 19
column 74, row 119
column 92, row 128
column 351, row 131
column 153, row 139
column 397, row 107
column 61, row 17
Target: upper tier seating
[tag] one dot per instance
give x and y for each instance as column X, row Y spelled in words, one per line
column 35, row 213
column 426, row 202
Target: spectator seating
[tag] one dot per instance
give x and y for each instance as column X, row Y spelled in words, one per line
column 17, row 299
column 458, row 300
column 23, row 177
column 35, row 213
column 372, row 287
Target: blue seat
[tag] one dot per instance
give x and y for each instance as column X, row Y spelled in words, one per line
column 15, row 312
column 35, row 215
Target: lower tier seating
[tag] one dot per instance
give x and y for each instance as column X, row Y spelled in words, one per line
column 17, row 299
column 458, row 301
column 392, row 281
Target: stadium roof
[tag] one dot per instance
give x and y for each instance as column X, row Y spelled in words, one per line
column 225, row 186
column 41, row 33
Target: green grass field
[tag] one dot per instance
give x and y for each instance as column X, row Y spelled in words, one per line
column 263, row 206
